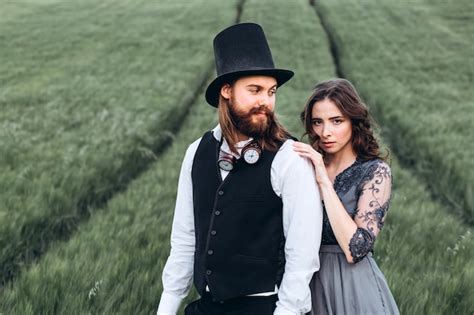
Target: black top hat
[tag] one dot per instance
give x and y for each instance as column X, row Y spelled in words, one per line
column 242, row 50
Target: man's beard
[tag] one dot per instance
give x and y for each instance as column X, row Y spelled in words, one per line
column 243, row 120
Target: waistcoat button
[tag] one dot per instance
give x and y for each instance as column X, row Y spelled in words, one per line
column 208, row 272
column 220, row 192
column 210, row 252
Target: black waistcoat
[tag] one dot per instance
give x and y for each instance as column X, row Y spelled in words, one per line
column 238, row 225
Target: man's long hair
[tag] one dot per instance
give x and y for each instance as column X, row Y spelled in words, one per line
column 272, row 138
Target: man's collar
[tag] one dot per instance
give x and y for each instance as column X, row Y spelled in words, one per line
column 217, row 133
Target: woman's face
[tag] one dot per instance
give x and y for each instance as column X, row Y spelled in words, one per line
column 332, row 127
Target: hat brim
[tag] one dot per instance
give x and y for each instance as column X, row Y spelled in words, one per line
column 213, row 90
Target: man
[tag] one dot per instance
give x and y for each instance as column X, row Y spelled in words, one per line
column 248, row 216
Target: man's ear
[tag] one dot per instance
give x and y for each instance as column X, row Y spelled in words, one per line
column 226, row 91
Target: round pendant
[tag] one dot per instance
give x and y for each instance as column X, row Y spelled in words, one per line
column 226, row 162
column 251, row 155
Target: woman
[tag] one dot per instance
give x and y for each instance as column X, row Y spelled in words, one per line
column 355, row 186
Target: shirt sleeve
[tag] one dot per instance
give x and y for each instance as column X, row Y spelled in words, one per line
column 294, row 180
column 372, row 206
column 178, row 271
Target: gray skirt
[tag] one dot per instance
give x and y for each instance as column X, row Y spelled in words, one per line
column 342, row 288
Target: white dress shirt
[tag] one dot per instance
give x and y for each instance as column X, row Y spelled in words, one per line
column 293, row 180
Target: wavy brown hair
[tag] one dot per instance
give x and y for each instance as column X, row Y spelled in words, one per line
column 272, row 139
column 346, row 98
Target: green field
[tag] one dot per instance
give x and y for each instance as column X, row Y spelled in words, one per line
column 87, row 104
column 93, row 94
column 414, row 63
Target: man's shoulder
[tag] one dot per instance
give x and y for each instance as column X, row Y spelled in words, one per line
column 287, row 159
column 290, row 169
column 286, row 146
column 286, row 152
column 192, row 148
column 194, row 145
column 196, row 142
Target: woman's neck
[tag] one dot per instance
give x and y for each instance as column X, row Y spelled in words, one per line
column 339, row 161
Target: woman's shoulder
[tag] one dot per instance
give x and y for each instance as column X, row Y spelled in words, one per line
column 375, row 164
column 375, row 168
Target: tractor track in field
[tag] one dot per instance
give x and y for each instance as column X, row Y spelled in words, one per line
column 66, row 226
column 331, row 40
column 12, row 266
column 407, row 164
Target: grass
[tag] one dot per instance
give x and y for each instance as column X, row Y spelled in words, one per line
column 406, row 60
column 425, row 253
column 298, row 43
column 87, row 102
column 413, row 63
column 113, row 263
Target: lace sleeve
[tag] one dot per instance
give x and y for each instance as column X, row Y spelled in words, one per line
column 372, row 206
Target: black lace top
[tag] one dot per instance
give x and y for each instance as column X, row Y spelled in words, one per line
column 364, row 189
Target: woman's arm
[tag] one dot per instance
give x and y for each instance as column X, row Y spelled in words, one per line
column 374, row 193
column 343, row 226
column 356, row 236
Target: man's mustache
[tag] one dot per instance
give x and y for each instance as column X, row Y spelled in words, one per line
column 262, row 109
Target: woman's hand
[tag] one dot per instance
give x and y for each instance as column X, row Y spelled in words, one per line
column 305, row 150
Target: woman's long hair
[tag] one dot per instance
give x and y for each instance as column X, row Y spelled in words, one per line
column 274, row 136
column 346, row 98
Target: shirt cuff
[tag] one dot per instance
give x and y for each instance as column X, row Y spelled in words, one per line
column 169, row 304
column 283, row 311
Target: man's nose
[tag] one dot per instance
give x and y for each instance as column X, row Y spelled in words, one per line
column 264, row 100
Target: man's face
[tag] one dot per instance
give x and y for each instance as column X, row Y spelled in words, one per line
column 251, row 102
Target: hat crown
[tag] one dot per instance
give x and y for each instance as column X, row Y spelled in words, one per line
column 242, row 50
column 242, row 47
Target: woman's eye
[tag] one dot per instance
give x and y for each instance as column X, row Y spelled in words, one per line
column 316, row 123
column 337, row 121
column 272, row 92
